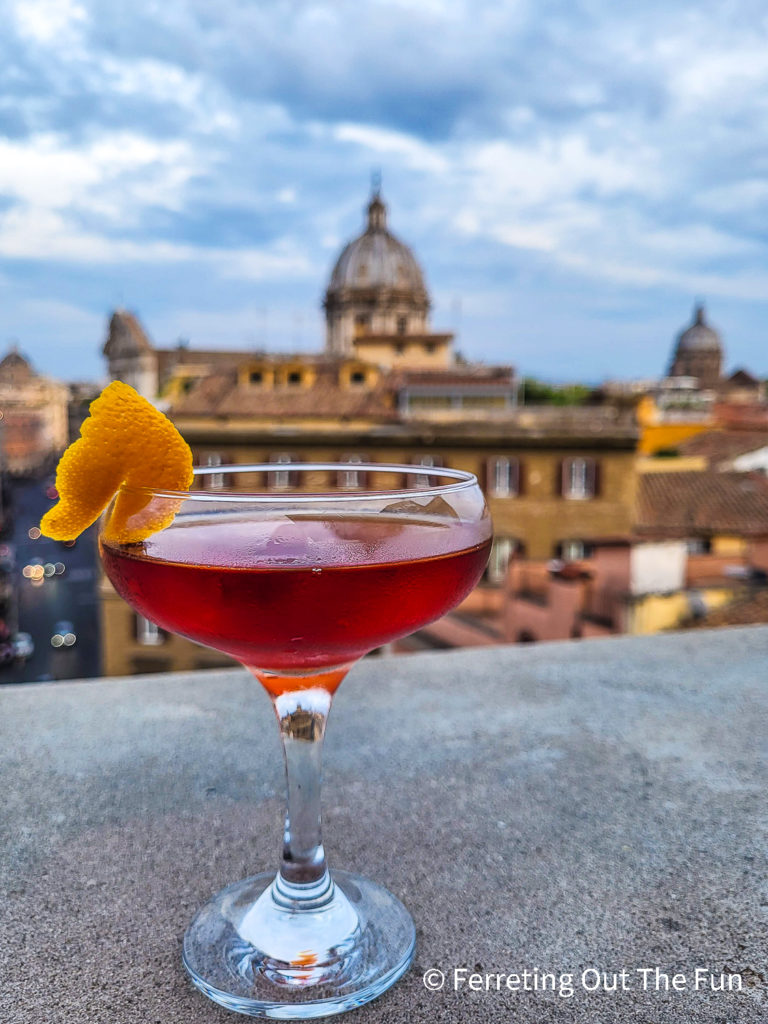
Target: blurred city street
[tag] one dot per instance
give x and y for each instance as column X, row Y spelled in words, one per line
column 37, row 606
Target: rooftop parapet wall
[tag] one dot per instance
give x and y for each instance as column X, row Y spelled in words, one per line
column 593, row 805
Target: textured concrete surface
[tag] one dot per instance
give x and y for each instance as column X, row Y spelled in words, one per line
column 579, row 806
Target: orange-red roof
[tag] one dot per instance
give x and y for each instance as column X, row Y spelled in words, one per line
column 702, row 503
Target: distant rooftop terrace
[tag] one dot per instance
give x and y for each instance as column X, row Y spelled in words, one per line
column 564, row 807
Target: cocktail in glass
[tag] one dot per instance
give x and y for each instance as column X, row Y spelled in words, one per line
column 298, row 583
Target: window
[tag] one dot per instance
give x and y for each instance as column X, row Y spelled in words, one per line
column 281, row 479
column 503, row 476
column 357, row 377
column 362, row 323
column 572, row 550
column 256, row 377
column 400, row 347
column 351, row 479
column 294, row 377
column 425, row 479
column 698, row 545
column 579, row 478
column 502, row 550
column 215, row 480
column 148, row 633
column 429, row 347
column 402, row 324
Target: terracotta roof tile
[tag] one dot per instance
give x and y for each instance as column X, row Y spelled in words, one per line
column 748, row 608
column 702, row 503
column 722, row 445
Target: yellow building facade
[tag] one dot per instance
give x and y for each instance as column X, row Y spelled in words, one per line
column 547, row 490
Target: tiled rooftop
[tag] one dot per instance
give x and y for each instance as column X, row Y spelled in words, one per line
column 722, row 445
column 750, row 606
column 688, row 503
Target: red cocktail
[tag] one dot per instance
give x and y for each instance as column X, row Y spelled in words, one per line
column 298, row 586
column 298, row 596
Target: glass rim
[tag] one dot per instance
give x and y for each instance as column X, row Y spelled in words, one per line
column 461, row 480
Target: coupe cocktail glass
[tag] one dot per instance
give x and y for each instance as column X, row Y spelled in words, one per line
column 298, row 583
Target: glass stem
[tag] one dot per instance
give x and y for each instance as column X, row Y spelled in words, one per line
column 303, row 880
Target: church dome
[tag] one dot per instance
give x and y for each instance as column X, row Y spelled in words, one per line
column 376, row 260
column 15, row 369
column 699, row 337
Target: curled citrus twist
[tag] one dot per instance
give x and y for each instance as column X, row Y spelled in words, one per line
column 124, row 441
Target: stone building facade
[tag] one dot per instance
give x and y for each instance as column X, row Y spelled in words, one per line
column 34, row 424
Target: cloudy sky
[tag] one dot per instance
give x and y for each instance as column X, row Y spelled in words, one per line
column 572, row 174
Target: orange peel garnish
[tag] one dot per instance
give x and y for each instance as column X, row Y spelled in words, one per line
column 125, row 440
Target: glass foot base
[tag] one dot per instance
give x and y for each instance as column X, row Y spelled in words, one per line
column 249, row 950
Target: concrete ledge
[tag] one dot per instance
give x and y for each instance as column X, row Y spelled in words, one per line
column 599, row 804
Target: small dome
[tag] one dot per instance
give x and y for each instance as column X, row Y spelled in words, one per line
column 699, row 337
column 14, row 367
column 377, row 259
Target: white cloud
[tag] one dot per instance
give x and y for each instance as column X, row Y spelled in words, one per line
column 49, row 21
column 46, row 235
column 107, row 175
column 408, row 151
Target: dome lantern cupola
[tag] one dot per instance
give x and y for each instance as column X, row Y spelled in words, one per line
column 377, row 213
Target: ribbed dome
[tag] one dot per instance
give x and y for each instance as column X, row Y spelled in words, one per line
column 699, row 337
column 377, row 259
